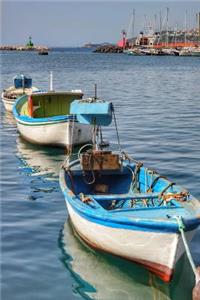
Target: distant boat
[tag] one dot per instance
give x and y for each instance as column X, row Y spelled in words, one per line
column 190, row 51
column 44, row 119
column 22, row 86
column 43, row 52
column 196, row 52
column 118, row 206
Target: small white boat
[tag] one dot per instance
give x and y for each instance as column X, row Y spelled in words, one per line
column 44, row 119
column 22, row 86
column 169, row 51
column 191, row 51
column 195, row 51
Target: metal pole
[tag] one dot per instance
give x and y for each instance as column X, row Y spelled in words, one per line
column 95, row 91
column 23, row 83
column 51, row 81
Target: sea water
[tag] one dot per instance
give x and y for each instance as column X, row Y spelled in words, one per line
column 157, row 105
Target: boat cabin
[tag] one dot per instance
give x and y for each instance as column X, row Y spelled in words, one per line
column 43, row 105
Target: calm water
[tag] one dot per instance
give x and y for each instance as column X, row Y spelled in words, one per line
column 157, row 102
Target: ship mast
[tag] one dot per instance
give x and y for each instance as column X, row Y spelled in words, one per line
column 160, row 23
column 131, row 26
column 133, row 23
column 167, row 32
column 185, row 27
column 199, row 28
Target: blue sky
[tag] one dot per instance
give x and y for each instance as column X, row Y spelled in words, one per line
column 55, row 23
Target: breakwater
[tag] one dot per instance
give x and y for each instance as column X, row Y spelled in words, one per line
column 108, row 49
column 24, row 48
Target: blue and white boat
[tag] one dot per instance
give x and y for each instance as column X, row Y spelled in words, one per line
column 119, row 206
column 44, row 119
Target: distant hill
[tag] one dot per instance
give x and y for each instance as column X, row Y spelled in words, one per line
column 91, row 45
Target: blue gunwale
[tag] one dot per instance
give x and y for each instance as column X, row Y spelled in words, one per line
column 103, row 217
column 29, row 121
column 25, row 120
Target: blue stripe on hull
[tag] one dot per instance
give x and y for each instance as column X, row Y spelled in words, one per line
column 25, row 120
column 158, row 221
column 137, row 225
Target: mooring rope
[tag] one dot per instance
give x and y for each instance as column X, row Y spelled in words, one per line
column 181, row 228
column 115, row 120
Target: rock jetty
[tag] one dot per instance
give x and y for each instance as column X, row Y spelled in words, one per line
column 108, row 49
column 24, row 48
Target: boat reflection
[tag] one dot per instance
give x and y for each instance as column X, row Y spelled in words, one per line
column 8, row 119
column 41, row 167
column 41, row 160
column 102, row 276
column 38, row 160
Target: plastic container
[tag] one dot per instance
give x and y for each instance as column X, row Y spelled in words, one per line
column 21, row 81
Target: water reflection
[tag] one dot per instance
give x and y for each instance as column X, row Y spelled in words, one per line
column 8, row 119
column 37, row 160
column 41, row 160
column 101, row 276
column 41, row 166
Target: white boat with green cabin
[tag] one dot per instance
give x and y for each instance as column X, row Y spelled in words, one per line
column 45, row 119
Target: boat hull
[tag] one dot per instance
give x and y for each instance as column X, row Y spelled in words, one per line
column 9, row 102
column 196, row 53
column 157, row 251
column 55, row 133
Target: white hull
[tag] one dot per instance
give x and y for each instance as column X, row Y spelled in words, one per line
column 8, row 103
column 110, row 281
column 190, row 52
column 57, row 134
column 16, row 93
column 197, row 53
column 157, row 251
